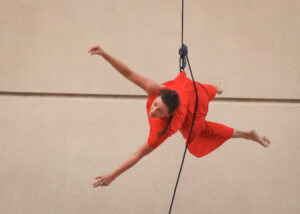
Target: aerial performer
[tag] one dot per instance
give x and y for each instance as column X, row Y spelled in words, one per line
column 170, row 107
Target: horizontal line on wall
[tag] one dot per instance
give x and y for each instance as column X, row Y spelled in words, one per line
column 120, row 96
column 257, row 100
column 66, row 95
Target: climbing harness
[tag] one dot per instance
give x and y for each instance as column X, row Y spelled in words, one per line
column 183, row 52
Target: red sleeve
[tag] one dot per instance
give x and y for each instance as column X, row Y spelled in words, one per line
column 154, row 140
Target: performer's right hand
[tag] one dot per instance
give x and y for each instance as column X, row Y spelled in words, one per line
column 103, row 180
column 96, row 50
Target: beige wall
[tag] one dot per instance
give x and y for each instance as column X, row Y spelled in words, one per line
column 54, row 146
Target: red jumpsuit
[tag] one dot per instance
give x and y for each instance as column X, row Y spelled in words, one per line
column 206, row 136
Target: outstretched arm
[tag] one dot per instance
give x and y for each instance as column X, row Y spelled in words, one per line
column 148, row 85
column 105, row 180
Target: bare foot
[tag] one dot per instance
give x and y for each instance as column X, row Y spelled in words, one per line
column 219, row 87
column 263, row 140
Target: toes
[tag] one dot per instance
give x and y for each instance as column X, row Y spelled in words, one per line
column 267, row 141
column 219, row 87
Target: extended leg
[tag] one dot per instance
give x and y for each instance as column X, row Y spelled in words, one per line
column 252, row 135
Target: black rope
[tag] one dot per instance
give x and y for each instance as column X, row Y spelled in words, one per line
column 182, row 63
column 182, row 16
column 183, row 50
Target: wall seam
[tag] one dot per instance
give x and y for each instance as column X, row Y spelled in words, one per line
column 121, row 96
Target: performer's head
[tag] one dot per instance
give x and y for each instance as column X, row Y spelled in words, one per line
column 164, row 105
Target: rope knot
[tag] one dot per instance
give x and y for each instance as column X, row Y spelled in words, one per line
column 183, row 51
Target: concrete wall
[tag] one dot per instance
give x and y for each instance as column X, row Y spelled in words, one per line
column 53, row 146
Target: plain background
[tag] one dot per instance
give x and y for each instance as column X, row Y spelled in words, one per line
column 67, row 117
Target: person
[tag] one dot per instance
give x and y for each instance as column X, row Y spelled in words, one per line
column 170, row 107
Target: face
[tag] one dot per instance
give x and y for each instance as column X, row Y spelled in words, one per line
column 158, row 109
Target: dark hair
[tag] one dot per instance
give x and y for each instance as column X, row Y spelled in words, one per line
column 171, row 99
